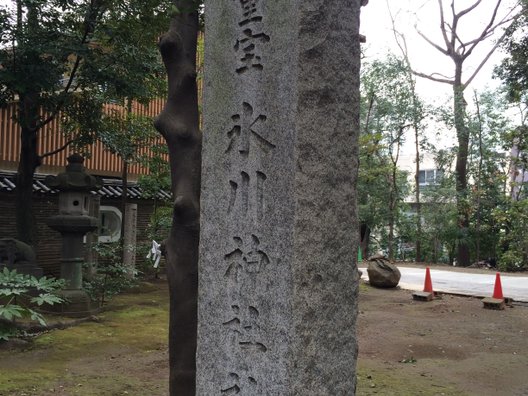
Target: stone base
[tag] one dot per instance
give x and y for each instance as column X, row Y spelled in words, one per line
column 423, row 296
column 77, row 305
column 494, row 303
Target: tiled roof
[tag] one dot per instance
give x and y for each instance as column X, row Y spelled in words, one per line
column 112, row 188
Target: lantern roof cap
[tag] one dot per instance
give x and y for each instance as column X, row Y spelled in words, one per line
column 74, row 178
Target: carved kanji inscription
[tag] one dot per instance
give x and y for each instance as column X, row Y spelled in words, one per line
column 244, row 259
column 248, row 125
column 244, row 329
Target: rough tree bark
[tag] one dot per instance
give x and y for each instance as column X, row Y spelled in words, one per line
column 462, row 132
column 418, row 241
column 364, row 234
column 179, row 124
column 28, row 162
column 28, row 116
column 393, row 188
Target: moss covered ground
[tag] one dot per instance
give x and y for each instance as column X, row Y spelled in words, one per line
column 124, row 351
column 448, row 347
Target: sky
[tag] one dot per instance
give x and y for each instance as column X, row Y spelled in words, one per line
column 410, row 15
column 377, row 27
column 423, row 15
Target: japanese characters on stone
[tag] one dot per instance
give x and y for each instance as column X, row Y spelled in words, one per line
column 246, row 262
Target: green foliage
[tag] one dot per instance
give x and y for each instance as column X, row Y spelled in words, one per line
column 158, row 177
column 158, row 229
column 126, row 134
column 491, row 139
column 160, row 223
column 67, row 59
column 513, row 221
column 439, row 214
column 18, row 293
column 57, row 49
column 111, row 276
column 71, row 58
column 487, row 170
column 513, row 70
column 389, row 108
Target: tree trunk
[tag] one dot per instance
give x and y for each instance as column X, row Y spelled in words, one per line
column 417, row 197
column 459, row 107
column 479, row 183
column 364, row 233
column 393, row 190
column 124, row 199
column 390, row 242
column 28, row 162
column 124, row 179
column 179, row 124
column 28, row 116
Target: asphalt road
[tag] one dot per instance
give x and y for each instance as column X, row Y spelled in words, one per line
column 480, row 285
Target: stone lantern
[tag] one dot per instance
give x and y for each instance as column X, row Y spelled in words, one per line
column 73, row 222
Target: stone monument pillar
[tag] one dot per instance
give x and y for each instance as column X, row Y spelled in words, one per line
column 73, row 222
column 278, row 278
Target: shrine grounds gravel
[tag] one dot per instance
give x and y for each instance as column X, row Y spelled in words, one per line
column 450, row 346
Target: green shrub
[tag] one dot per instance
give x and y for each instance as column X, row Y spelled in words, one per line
column 18, row 293
column 111, row 276
column 513, row 218
column 158, row 229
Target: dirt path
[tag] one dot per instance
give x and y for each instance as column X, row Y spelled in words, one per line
column 446, row 347
column 450, row 346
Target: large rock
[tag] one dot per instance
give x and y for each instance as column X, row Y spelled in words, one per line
column 383, row 274
column 15, row 254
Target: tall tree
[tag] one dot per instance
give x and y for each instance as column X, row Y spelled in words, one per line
column 417, row 117
column 60, row 59
column 488, row 168
column 389, row 100
column 458, row 50
column 179, row 124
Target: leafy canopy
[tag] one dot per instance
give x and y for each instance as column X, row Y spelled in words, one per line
column 71, row 56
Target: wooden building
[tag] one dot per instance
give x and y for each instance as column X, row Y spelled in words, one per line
column 101, row 163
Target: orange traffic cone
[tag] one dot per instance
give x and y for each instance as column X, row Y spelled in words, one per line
column 497, row 291
column 497, row 301
column 428, row 285
column 427, row 294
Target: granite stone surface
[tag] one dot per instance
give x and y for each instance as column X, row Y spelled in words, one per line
column 277, row 274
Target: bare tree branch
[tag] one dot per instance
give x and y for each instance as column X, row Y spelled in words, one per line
column 491, row 30
column 453, row 28
column 433, row 78
column 442, row 28
column 397, row 36
column 469, row 9
column 432, row 43
column 479, row 67
column 58, row 150
column 487, row 30
column 402, row 44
